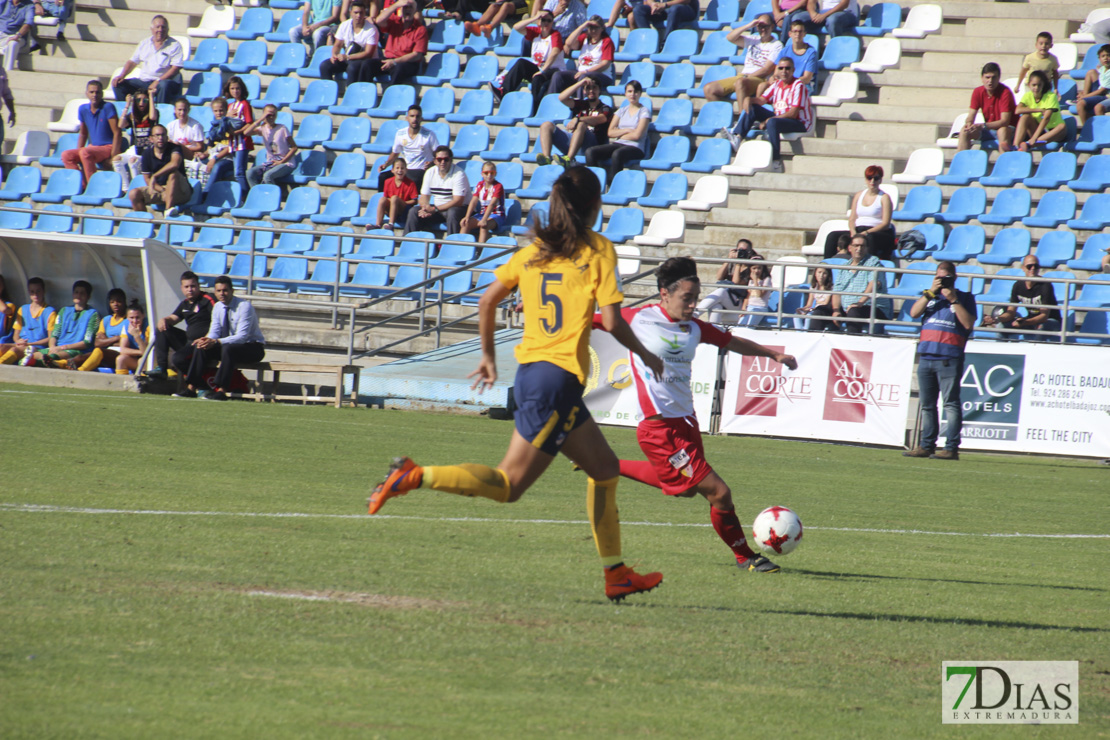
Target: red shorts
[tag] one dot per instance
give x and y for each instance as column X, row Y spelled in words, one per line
column 674, row 448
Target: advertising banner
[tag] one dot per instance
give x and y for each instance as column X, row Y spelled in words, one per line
column 846, row 388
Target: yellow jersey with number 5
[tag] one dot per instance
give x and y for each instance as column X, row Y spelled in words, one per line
column 560, row 298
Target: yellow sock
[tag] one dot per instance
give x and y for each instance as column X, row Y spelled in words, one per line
column 91, row 364
column 468, row 480
column 122, row 372
column 8, row 358
column 601, row 505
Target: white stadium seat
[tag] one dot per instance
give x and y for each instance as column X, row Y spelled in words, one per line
column 922, row 165
column 709, row 191
column 665, row 227
column 921, row 21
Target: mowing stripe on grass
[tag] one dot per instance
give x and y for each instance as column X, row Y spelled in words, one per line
column 47, row 509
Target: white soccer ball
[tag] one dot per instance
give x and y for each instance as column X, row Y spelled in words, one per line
column 777, row 531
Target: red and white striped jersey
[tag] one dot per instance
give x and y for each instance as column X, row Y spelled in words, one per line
column 783, row 97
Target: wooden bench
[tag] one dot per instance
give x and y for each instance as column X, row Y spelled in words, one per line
column 340, row 372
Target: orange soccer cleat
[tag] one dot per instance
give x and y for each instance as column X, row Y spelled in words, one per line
column 621, row 581
column 404, row 475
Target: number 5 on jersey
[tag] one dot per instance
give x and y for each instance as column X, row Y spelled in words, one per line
column 552, row 301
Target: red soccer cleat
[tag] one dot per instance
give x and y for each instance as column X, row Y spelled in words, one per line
column 621, row 581
column 404, row 475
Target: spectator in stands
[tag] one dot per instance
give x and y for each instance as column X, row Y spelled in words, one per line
column 398, row 196
column 237, row 155
column 792, row 111
column 55, row 9
column 7, row 309
column 1038, row 111
column 1041, row 59
column 163, row 171
column 139, row 116
column 98, row 138
column 134, row 339
column 34, row 322
column 356, row 43
column 184, row 130
column 415, row 144
column 819, row 305
column 628, row 134
column 732, row 281
column 587, row 126
column 406, row 42
column 840, row 248
column 219, row 155
column 9, row 100
column 443, row 196
column 1096, row 88
column 486, row 211
column 870, row 215
column 834, row 17
column 595, row 56
column 664, row 15
column 947, row 316
column 780, row 12
column 160, row 58
column 760, row 52
column 196, row 311
column 857, row 286
column 759, row 290
column 318, row 19
column 996, row 101
column 234, row 338
column 569, row 15
column 106, row 342
column 280, row 149
column 72, row 334
column 1038, row 300
column 494, row 15
column 544, row 60
column 1104, row 265
column 17, row 18
column 803, row 55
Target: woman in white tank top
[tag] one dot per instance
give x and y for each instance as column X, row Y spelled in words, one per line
column 870, row 215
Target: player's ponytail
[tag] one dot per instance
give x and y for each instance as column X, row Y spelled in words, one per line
column 575, row 201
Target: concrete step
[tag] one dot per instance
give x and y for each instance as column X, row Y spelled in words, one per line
column 757, row 218
column 716, row 238
column 940, row 108
column 815, row 165
column 1021, row 26
column 931, row 104
column 914, row 133
column 802, row 203
column 858, row 149
column 963, row 79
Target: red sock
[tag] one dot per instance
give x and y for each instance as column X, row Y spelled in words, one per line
column 642, row 471
column 728, row 529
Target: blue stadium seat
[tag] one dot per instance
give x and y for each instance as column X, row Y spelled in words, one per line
column 317, row 97
column 716, row 49
column 1090, row 258
column 59, row 220
column 323, row 279
column 639, row 44
column 21, row 182
column 711, row 155
column 514, row 108
column 1000, row 290
column 98, row 226
column 1053, row 209
column 756, row 8
column 297, row 240
column 342, row 206
column 203, row 87
column 314, row 130
column 1007, row 247
column 16, row 220
column 921, row 202
column 966, row 167
column 280, row 35
column 680, row 44
column 358, row 97
column 550, row 110
column 370, row 278
column 301, row 203
column 963, row 243
column 1095, row 215
column 537, row 214
column 513, row 46
column 1094, row 136
column 383, row 141
column 352, row 134
column 1055, row 248
column 479, row 72
column 208, row 265
column 510, row 144
column 624, row 224
column 719, row 14
column 475, row 105
column 1095, row 176
column 136, row 229
column 470, row 141
column 970, row 284
column 286, row 59
column 627, row 186
column 674, row 81
column 211, row 236
column 1009, row 206
column 602, row 177
column 668, row 189
column 670, row 152
column 712, row 117
column 209, row 54
column 642, row 72
column 335, row 240
column 261, row 199
column 442, row 130
column 249, row 56
column 369, row 218
column 253, row 24
column 840, row 51
column 253, row 83
column 1095, row 293
column 203, row 116
column 440, row 70
column 477, row 44
column 241, row 268
column 1061, row 289
column 312, row 68
column 346, row 170
column 282, row 92
column 1095, row 322
column 220, row 198
column 62, row 185
column 881, row 19
column 370, row 182
column 177, row 230
column 1009, row 169
column 65, row 141
column 539, row 186
column 437, row 102
column 285, row 275
column 446, row 35
column 1090, row 61
column 714, row 73
column 676, row 116
column 454, row 254
column 261, row 239
column 911, row 284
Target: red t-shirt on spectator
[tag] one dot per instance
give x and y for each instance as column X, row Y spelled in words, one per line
column 993, row 106
column 400, row 40
column 406, row 190
column 592, row 54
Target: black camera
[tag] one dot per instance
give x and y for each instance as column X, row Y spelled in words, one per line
column 948, row 281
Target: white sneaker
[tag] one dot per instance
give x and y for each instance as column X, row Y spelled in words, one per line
column 735, row 139
column 776, row 166
column 171, row 212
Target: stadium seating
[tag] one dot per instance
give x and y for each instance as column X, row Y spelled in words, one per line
column 642, row 72
column 637, row 45
column 62, row 185
column 550, row 110
column 711, row 155
column 358, row 97
column 212, row 236
column 1055, row 248
column 752, row 156
column 249, row 56
column 670, row 152
column 966, row 167
column 136, row 229
column 59, row 220
column 1090, row 61
column 881, row 19
column 16, row 220
column 253, row 24
column 479, row 72
column 1053, row 209
column 351, row 135
column 21, row 182
column 840, row 52
column 963, row 243
column 881, row 54
column 709, row 191
column 1095, row 176
column 282, row 92
column 624, row 224
column 839, row 87
column 98, row 226
column 217, row 19
column 203, row 88
column 1094, row 249
column 297, row 240
column 921, row 202
column 210, row 54
column 665, row 227
column 911, row 284
column 676, row 114
column 514, row 108
column 1094, row 136
column 1055, row 169
column 1009, row 169
column 712, row 117
column 674, row 81
column 718, row 14
column 1008, row 207
column 539, row 187
column 313, row 131
column 317, row 96
column 342, row 205
column 714, row 73
column 29, row 146
column 220, row 198
column 922, row 165
column 817, row 246
column 920, row 22
column 1095, row 215
column 470, row 141
column 510, row 144
column 286, row 59
column 679, row 45
column 476, row 105
column 301, row 203
column 1007, row 247
column 666, row 191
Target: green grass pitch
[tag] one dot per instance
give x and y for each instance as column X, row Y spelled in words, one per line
column 149, row 589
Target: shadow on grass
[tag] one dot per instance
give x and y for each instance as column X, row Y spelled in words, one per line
column 870, row 577
column 962, row 622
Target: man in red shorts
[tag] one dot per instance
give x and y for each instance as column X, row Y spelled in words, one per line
column 669, row 433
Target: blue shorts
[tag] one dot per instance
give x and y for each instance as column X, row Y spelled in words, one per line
column 549, row 405
column 1095, row 100
column 496, row 223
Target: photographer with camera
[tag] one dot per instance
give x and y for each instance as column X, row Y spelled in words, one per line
column 733, row 280
column 947, row 316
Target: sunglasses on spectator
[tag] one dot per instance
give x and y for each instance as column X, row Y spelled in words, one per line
column 547, row 19
column 443, row 159
column 1032, row 267
column 785, row 66
column 875, row 177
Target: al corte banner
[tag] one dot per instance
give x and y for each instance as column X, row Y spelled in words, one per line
column 611, row 391
column 846, row 388
column 1034, row 397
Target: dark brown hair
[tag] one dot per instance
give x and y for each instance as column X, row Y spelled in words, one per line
column 575, row 200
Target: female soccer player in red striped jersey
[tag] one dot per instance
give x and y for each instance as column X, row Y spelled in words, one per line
column 669, row 433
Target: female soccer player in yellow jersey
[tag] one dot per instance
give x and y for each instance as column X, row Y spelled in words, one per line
column 562, row 275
